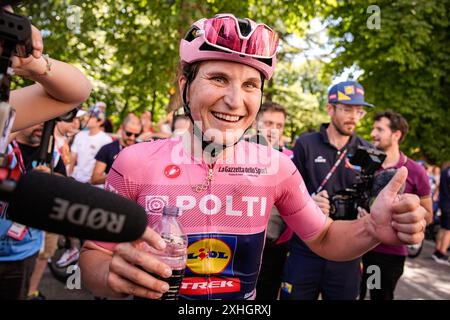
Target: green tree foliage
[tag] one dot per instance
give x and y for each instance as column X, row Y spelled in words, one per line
column 130, row 51
column 130, row 48
column 300, row 88
column 406, row 64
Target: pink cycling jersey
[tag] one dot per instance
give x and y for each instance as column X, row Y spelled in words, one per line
column 226, row 219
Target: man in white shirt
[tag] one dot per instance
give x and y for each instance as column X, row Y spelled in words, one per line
column 86, row 145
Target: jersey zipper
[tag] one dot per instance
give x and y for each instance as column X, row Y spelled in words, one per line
column 209, row 178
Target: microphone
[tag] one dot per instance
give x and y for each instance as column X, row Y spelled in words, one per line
column 4, row 3
column 65, row 206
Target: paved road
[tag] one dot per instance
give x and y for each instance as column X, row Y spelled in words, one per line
column 422, row 279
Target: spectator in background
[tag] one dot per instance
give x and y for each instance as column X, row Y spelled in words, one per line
column 59, row 88
column 65, row 131
column 436, row 173
column 130, row 129
column 434, row 185
column 87, row 144
column 306, row 275
column 389, row 131
column 443, row 237
column 147, row 126
column 163, row 127
column 108, row 126
column 84, row 148
column 28, row 144
column 50, row 240
column 180, row 125
column 270, row 123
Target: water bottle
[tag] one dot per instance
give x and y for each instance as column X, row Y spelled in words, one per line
column 169, row 228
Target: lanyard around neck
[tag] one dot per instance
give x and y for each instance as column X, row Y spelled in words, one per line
column 331, row 172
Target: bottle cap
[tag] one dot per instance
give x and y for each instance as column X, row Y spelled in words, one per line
column 171, row 211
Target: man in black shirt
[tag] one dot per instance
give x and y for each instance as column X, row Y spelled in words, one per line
column 306, row 275
column 29, row 141
column 131, row 128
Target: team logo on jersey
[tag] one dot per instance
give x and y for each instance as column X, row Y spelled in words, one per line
column 195, row 286
column 155, row 204
column 172, row 171
column 210, row 255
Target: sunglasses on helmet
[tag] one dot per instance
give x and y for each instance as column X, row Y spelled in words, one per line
column 242, row 36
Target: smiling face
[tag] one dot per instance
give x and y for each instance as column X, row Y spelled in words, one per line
column 224, row 99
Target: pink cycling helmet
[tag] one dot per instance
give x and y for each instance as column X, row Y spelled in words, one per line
column 225, row 37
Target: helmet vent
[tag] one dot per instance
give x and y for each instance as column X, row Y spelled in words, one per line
column 245, row 27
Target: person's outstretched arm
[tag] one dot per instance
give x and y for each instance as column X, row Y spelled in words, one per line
column 56, row 92
column 394, row 220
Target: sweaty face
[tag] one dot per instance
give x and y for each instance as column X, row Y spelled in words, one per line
column 224, row 99
column 345, row 118
column 271, row 125
column 382, row 135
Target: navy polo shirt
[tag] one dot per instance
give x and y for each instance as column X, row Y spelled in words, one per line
column 108, row 153
column 314, row 156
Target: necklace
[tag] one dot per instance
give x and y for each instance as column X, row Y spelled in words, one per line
column 205, row 185
column 207, row 181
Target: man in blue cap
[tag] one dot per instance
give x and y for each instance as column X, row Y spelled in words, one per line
column 321, row 158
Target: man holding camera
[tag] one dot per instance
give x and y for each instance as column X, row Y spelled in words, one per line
column 388, row 132
column 322, row 159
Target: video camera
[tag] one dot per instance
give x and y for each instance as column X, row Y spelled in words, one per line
column 344, row 204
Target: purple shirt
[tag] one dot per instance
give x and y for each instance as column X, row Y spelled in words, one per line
column 416, row 183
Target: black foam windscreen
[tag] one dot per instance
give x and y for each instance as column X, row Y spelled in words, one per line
column 65, row 206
